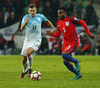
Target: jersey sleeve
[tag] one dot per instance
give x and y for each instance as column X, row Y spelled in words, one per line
column 43, row 17
column 74, row 20
column 80, row 22
column 23, row 20
column 85, row 26
column 57, row 34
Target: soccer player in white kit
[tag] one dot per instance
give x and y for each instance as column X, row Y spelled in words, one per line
column 32, row 24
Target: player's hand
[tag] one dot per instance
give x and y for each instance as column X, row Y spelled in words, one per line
column 27, row 19
column 48, row 32
column 53, row 30
column 92, row 36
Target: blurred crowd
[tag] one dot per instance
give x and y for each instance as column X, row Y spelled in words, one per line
column 85, row 47
column 6, row 47
column 12, row 11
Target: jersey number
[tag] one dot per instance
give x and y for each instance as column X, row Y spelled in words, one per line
column 64, row 30
column 34, row 27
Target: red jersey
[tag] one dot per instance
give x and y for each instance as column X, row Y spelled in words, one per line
column 68, row 29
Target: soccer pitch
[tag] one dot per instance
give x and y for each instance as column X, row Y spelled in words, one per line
column 54, row 73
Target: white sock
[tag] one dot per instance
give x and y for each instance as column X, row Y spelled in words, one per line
column 25, row 67
column 30, row 61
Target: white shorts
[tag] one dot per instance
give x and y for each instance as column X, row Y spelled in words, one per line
column 26, row 45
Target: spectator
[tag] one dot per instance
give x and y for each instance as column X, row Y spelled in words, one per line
column 1, row 5
column 12, row 19
column 84, row 16
column 69, row 8
column 43, row 2
column 11, row 45
column 8, row 9
column 98, row 46
column 79, row 8
column 3, row 44
column 89, row 10
column 48, row 12
column 55, row 4
column 94, row 20
column 19, row 6
column 8, row 5
column 74, row 11
column 56, row 46
column 37, row 2
column 86, row 45
column 61, row 5
column 75, row 14
column 44, row 46
column 1, row 21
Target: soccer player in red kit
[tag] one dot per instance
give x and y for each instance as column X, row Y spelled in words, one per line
column 66, row 26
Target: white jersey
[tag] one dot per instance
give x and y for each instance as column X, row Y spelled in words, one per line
column 33, row 32
column 33, row 27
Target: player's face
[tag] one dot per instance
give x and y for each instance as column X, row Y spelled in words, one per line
column 32, row 11
column 61, row 14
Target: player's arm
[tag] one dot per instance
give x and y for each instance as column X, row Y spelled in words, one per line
column 81, row 22
column 57, row 34
column 51, row 25
column 24, row 24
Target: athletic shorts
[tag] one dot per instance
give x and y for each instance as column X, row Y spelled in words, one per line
column 26, row 45
column 69, row 48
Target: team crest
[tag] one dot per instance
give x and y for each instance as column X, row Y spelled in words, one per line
column 38, row 18
column 67, row 23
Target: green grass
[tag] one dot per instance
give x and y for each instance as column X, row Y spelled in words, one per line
column 54, row 73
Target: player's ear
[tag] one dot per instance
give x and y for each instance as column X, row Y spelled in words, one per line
column 36, row 10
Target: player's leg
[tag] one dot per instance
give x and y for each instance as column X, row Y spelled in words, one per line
column 79, row 75
column 67, row 58
column 70, row 67
column 66, row 51
column 29, row 52
column 71, row 59
column 24, row 65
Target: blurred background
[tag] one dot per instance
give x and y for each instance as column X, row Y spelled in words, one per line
column 12, row 12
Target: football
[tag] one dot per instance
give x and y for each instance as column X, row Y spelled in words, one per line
column 35, row 75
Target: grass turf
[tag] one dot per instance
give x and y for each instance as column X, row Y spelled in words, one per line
column 54, row 73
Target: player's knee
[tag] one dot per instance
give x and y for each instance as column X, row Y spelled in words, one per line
column 24, row 61
column 28, row 54
column 65, row 62
column 64, row 55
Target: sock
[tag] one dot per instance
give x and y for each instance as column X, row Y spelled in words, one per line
column 25, row 67
column 69, row 58
column 30, row 61
column 70, row 67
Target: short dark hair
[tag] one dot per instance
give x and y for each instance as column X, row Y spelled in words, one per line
column 32, row 5
column 63, row 8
